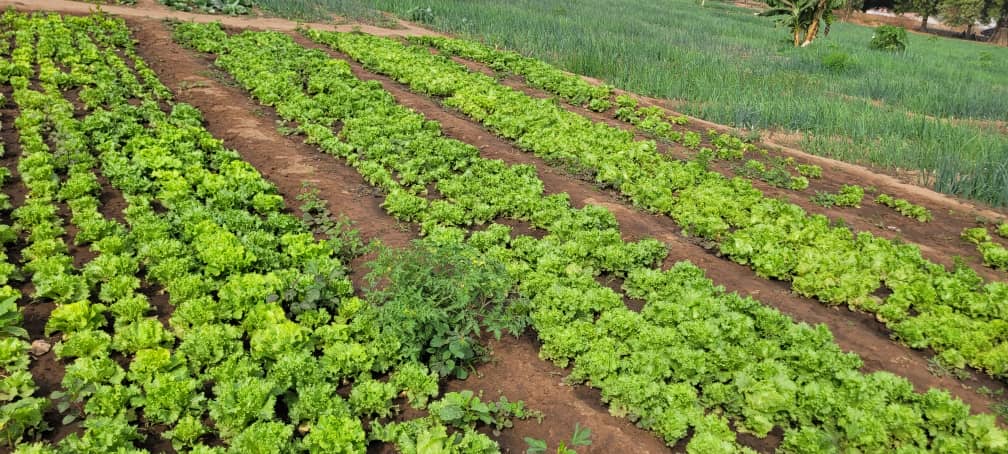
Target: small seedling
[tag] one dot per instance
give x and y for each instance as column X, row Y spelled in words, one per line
column 581, row 437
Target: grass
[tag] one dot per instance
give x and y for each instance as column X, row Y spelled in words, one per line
column 934, row 109
column 323, row 10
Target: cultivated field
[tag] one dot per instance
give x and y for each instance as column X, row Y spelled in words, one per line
column 265, row 237
column 724, row 64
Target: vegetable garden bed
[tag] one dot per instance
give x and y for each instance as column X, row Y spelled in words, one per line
column 190, row 309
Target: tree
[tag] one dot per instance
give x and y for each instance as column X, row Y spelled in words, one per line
column 851, row 5
column 926, row 9
column 804, row 17
column 961, row 13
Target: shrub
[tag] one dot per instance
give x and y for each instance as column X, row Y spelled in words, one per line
column 837, row 61
column 423, row 15
column 889, row 38
column 439, row 300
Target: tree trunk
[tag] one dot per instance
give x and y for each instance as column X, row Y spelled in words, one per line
column 813, row 29
column 798, row 32
column 924, row 23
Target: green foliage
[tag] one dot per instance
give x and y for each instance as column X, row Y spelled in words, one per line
column 430, row 434
column 52, row 279
column 403, row 205
column 836, row 266
column 809, row 170
column 186, row 432
column 208, row 229
column 103, row 434
column 265, row 437
column 12, row 354
column 805, row 18
column 316, row 400
column 768, row 368
column 267, row 203
column 371, row 397
column 10, row 316
column 220, row 249
column 86, row 343
column 168, row 396
column 731, row 70
column 465, row 409
column 111, row 400
column 756, row 384
column 958, row 13
column 139, row 335
column 22, row 417
column 78, row 185
column 422, row 15
column 18, row 384
column 976, row 235
column 713, row 434
column 775, row 173
column 581, row 437
column 847, row 196
column 920, row 213
column 73, row 317
column 315, row 212
column 34, row 448
column 837, row 61
column 654, row 120
column 438, row 299
column 232, row 7
column 206, row 39
column 241, row 402
column 537, row 73
column 84, row 378
column 335, row 434
column 208, row 344
column 993, row 254
column 416, row 382
column 889, row 38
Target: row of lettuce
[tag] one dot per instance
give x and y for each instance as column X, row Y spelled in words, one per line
column 654, row 120
column 20, row 409
column 576, row 91
column 695, row 362
column 993, row 253
column 538, row 73
column 265, row 347
column 579, row 92
column 924, row 305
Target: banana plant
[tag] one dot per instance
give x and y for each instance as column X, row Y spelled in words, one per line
column 803, row 17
